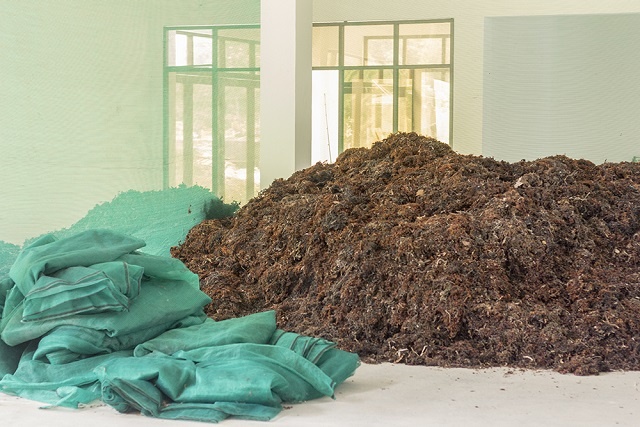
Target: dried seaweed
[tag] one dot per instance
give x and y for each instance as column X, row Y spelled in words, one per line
column 412, row 253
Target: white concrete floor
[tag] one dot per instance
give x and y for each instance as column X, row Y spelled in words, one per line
column 400, row 395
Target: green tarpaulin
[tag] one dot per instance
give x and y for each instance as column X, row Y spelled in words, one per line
column 90, row 317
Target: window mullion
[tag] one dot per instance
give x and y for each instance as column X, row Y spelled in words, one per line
column 189, row 50
column 396, row 74
column 217, row 182
column 187, row 133
column 165, row 112
column 340, row 89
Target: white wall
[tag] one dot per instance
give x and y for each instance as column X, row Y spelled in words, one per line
column 562, row 85
column 81, row 89
column 468, row 48
column 81, row 102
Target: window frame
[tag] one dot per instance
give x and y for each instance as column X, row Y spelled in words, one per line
column 395, row 67
column 341, row 68
column 215, row 69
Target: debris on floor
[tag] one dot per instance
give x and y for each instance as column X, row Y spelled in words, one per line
column 409, row 252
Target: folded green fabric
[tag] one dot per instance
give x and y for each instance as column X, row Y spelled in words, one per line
column 259, row 375
column 336, row 363
column 82, row 290
column 5, row 286
column 47, row 254
column 9, row 358
column 168, row 291
column 68, row 343
column 67, row 384
column 218, row 411
column 160, row 302
column 254, row 328
column 88, row 317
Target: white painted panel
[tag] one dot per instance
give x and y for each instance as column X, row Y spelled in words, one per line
column 562, row 85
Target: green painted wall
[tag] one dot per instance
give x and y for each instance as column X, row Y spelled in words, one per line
column 81, row 102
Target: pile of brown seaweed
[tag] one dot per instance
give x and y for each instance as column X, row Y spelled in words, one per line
column 409, row 252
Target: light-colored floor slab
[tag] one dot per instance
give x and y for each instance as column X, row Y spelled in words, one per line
column 400, row 395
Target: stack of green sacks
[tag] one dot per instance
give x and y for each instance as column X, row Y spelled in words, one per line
column 90, row 317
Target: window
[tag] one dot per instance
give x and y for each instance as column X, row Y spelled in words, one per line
column 369, row 80
column 372, row 79
column 212, row 89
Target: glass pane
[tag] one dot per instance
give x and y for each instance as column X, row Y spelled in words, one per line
column 236, row 54
column 368, row 45
column 189, row 47
column 239, row 130
column 423, row 102
column 425, row 29
column 324, row 124
column 368, row 107
column 325, row 46
column 202, row 137
column 175, row 126
column 239, row 48
column 190, row 133
column 177, row 49
column 202, row 50
column 424, row 43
